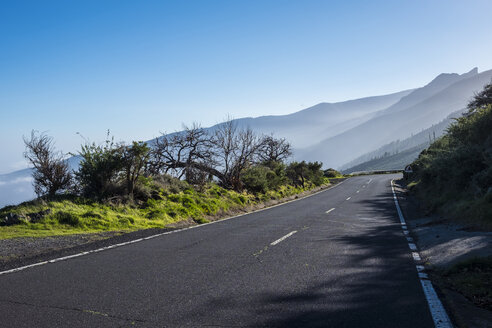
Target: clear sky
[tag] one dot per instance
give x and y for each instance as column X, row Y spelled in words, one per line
column 141, row 67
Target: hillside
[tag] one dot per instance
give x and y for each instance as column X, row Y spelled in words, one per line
column 394, row 152
column 396, row 161
column 419, row 109
column 322, row 120
column 454, row 175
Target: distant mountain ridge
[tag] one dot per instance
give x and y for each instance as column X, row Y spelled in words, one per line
column 421, row 108
column 337, row 133
column 324, row 119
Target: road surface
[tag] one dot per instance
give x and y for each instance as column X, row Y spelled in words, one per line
column 335, row 259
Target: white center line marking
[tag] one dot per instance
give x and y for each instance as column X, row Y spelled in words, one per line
column 283, row 238
column 348, row 198
column 331, row 209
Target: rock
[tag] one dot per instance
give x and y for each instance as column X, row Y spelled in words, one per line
column 36, row 217
column 12, row 219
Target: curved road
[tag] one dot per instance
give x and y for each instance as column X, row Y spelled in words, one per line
column 294, row 265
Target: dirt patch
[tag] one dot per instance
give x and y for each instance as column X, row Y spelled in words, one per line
column 442, row 242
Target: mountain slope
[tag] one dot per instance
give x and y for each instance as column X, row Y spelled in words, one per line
column 322, row 120
column 390, row 162
column 398, row 121
column 421, row 139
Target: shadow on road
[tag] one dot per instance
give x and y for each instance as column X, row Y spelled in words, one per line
column 373, row 284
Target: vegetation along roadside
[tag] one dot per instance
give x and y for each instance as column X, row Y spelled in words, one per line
column 194, row 175
column 453, row 178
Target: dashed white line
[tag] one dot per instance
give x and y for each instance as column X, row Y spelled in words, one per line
column 439, row 315
column 369, row 181
column 283, row 238
column 348, row 198
column 357, row 191
column 331, row 209
column 416, row 257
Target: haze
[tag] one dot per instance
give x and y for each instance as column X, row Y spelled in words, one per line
column 140, row 68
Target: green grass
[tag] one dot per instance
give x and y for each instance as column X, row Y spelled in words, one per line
column 473, row 279
column 75, row 215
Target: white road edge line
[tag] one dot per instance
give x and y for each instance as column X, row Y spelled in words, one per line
column 439, row 315
column 158, row 235
column 331, row 209
column 283, row 238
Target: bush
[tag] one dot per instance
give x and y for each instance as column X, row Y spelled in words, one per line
column 301, row 172
column 170, row 184
column 67, row 218
column 99, row 168
column 332, row 173
column 255, row 179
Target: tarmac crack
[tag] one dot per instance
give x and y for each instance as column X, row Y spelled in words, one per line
column 91, row 312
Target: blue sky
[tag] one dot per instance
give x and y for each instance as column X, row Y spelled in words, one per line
column 141, row 67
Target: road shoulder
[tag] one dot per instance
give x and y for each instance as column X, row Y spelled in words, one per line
column 443, row 244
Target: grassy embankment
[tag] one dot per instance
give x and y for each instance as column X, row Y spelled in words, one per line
column 75, row 215
column 453, row 176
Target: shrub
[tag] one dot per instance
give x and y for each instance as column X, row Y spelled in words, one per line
column 67, row 218
column 99, row 168
column 301, row 172
column 332, row 173
column 170, row 184
column 255, row 179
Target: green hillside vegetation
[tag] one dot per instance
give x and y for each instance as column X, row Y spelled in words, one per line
column 396, row 161
column 66, row 214
column 191, row 176
column 454, row 175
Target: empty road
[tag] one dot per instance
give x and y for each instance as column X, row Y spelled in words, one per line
column 335, row 259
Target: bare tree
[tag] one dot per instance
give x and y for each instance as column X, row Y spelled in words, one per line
column 274, row 150
column 184, row 154
column 235, row 150
column 51, row 172
column 196, row 155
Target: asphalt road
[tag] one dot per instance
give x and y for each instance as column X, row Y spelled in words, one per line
column 350, row 267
